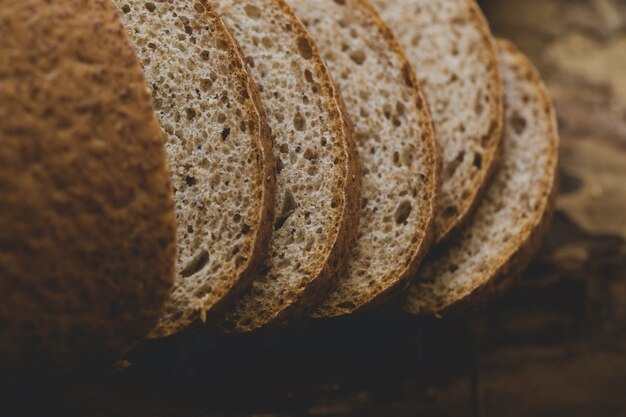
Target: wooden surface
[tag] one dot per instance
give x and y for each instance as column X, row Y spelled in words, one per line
column 554, row 345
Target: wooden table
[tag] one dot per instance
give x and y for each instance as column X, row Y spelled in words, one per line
column 554, row 345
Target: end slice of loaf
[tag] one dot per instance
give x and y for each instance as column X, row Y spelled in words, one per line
column 318, row 172
column 454, row 55
column 219, row 151
column 513, row 215
column 396, row 142
column 87, row 228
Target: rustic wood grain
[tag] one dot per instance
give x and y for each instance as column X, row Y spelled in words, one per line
column 554, row 345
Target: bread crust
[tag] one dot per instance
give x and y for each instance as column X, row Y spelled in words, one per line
column 321, row 280
column 507, row 266
column 87, row 227
column 417, row 250
column 266, row 174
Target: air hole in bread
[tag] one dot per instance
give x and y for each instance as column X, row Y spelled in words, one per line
column 400, row 108
column 150, row 6
column 190, row 181
column 199, row 261
column 478, row 160
column 518, row 123
column 478, row 105
column 190, row 113
column 225, row 133
column 310, row 154
column 206, row 84
column 347, row 305
column 252, row 11
column 126, row 8
column 403, row 212
column 358, row 57
column 449, row 212
column 304, row 48
column 299, row 122
column 396, row 158
column 287, row 209
column 279, row 164
column 387, row 111
column 308, row 75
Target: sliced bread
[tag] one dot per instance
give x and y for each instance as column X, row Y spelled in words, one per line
column 513, row 215
column 318, row 172
column 87, row 228
column 396, row 143
column 454, row 55
column 219, row 151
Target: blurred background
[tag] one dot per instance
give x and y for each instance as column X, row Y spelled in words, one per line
column 554, row 345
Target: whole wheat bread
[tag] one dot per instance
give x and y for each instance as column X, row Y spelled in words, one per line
column 396, row 143
column 219, row 151
column 87, row 228
column 513, row 215
column 318, row 173
column 454, row 55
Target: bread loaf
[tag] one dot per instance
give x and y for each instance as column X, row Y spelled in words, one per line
column 396, row 142
column 219, row 152
column 87, row 230
column 318, row 176
column 507, row 228
column 454, row 55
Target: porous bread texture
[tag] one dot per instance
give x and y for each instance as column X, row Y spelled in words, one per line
column 87, row 227
column 318, row 173
column 219, row 152
column 396, row 143
column 513, row 215
column 454, row 55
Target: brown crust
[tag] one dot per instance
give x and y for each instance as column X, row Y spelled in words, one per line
column 426, row 222
column 511, row 265
column 266, row 173
column 491, row 155
column 87, row 226
column 336, row 261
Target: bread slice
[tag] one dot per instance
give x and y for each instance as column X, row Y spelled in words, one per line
column 219, row 150
column 513, row 215
column 396, row 142
column 318, row 172
column 87, row 228
column 454, row 55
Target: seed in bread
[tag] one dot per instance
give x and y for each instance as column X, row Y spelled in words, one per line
column 219, row 152
column 454, row 55
column 87, row 228
column 318, row 177
column 513, row 215
column 396, row 143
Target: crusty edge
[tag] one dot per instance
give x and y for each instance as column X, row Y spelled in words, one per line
column 510, row 265
column 401, row 276
column 336, row 262
column 266, row 170
column 491, row 155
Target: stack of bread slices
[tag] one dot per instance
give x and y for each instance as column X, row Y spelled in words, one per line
column 241, row 164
